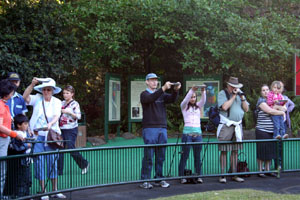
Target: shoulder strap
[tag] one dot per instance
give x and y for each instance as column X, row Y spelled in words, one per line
column 45, row 112
column 228, row 97
column 68, row 104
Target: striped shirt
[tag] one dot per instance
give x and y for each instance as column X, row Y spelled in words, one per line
column 264, row 120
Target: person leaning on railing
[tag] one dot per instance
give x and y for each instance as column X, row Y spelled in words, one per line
column 7, row 89
column 191, row 112
column 264, row 130
column 44, row 104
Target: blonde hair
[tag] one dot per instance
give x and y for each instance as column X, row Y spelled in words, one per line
column 276, row 83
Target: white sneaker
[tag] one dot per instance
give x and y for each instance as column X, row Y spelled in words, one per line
column 45, row 197
column 199, row 180
column 85, row 170
column 146, row 185
column 278, row 137
column 59, row 196
column 237, row 179
column 162, row 184
column 183, row 181
column 222, row 179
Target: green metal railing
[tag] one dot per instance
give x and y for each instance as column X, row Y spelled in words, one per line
column 122, row 165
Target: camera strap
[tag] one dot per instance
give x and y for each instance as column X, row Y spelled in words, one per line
column 228, row 97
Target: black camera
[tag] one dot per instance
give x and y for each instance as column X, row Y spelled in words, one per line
column 241, row 94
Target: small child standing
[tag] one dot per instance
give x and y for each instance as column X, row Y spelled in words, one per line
column 274, row 101
column 19, row 182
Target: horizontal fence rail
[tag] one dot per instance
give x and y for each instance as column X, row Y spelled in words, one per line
column 121, row 165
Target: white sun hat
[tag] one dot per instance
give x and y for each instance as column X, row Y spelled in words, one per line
column 48, row 82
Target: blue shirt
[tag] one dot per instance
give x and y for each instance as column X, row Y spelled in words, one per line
column 16, row 105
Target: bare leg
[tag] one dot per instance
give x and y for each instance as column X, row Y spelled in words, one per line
column 223, row 159
column 267, row 165
column 42, row 184
column 259, row 164
column 233, row 160
column 54, row 184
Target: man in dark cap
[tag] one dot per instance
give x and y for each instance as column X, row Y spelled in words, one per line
column 233, row 104
column 155, row 126
column 16, row 103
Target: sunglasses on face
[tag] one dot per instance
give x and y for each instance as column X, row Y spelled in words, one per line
column 47, row 89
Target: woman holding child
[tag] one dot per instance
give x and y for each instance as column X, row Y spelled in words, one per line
column 264, row 130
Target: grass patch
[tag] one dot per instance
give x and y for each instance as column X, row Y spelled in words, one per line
column 238, row 194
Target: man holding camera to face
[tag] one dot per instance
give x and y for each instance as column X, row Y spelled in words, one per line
column 154, row 125
column 233, row 104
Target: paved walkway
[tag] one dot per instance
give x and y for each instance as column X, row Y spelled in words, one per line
column 289, row 183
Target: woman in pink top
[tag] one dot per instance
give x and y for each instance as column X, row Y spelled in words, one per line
column 190, row 109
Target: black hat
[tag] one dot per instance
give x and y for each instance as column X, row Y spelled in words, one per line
column 13, row 76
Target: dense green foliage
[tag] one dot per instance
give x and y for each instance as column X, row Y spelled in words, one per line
column 78, row 41
column 35, row 41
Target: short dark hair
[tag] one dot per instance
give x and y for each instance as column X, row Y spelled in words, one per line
column 70, row 88
column 6, row 87
column 19, row 119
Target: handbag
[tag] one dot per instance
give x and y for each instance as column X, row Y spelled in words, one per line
column 242, row 166
column 53, row 136
column 188, row 172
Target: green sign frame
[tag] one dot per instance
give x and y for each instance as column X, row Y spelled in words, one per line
column 112, row 102
column 214, row 85
column 136, row 85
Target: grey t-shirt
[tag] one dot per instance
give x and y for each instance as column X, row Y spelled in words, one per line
column 236, row 110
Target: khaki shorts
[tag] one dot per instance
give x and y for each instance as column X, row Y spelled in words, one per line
column 228, row 134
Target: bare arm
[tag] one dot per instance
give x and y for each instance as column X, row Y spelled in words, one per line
column 28, row 90
column 54, row 120
column 203, row 99
column 9, row 132
column 228, row 103
column 245, row 104
column 267, row 109
column 186, row 99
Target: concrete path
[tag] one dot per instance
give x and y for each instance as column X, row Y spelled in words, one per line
column 289, row 183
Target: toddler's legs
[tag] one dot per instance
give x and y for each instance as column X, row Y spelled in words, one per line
column 276, row 121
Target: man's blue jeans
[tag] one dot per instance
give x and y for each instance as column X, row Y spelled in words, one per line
column 186, row 152
column 154, row 136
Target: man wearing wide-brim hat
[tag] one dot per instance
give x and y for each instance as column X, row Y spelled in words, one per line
column 233, row 104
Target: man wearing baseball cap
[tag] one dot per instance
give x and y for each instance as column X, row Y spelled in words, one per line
column 233, row 104
column 16, row 103
column 154, row 125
